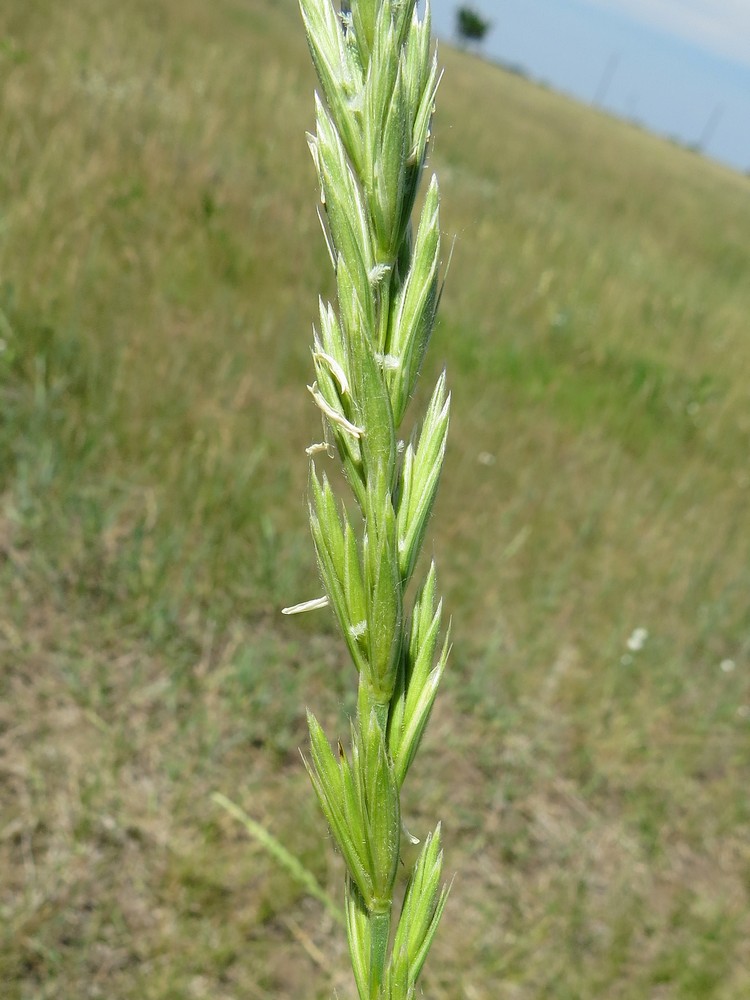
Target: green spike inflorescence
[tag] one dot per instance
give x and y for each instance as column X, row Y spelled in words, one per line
column 378, row 78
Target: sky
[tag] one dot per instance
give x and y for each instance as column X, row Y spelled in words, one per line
column 679, row 67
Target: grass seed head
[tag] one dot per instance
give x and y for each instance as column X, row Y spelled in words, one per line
column 378, row 83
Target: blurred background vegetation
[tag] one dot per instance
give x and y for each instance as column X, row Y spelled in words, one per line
column 160, row 261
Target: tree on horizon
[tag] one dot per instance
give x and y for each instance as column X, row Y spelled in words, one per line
column 471, row 26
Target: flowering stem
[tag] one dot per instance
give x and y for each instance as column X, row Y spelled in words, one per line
column 378, row 79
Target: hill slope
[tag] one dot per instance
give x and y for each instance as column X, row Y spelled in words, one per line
column 160, row 260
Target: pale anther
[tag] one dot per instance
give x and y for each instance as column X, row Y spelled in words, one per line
column 334, row 415
column 409, row 836
column 336, row 370
column 313, row 605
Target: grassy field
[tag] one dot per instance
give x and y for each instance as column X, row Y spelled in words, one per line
column 160, row 261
